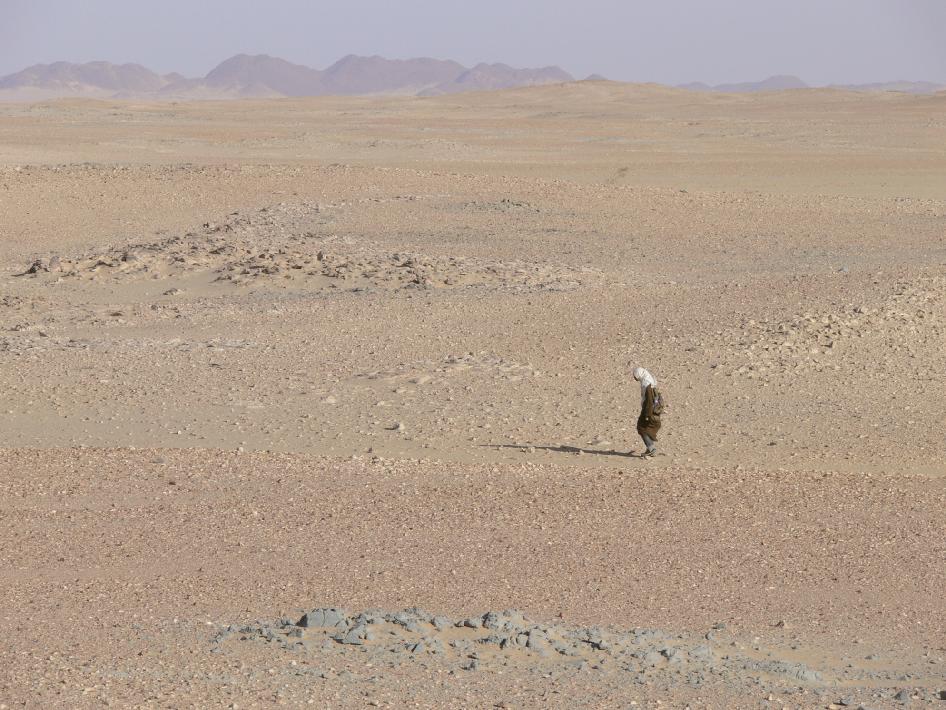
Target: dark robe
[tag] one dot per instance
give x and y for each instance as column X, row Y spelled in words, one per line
column 648, row 422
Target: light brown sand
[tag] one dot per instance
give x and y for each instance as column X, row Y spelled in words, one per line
column 374, row 353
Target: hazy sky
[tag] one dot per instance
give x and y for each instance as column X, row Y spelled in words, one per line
column 669, row 41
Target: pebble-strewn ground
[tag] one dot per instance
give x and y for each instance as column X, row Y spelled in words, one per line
column 179, row 576
column 262, row 361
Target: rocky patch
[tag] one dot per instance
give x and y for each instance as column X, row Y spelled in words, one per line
column 501, row 641
column 504, row 205
column 908, row 319
column 289, row 245
column 422, row 373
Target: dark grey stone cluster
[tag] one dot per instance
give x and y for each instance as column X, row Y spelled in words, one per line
column 509, row 639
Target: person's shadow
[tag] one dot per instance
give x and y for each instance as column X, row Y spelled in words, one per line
column 563, row 450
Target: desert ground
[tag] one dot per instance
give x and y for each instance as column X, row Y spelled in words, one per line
column 294, row 392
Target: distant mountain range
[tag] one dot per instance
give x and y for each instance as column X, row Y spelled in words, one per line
column 785, row 82
column 773, row 83
column 250, row 76
column 264, row 76
column 906, row 87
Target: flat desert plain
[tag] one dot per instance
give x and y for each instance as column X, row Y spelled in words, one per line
column 328, row 402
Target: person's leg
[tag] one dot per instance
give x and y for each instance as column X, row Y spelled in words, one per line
column 650, row 443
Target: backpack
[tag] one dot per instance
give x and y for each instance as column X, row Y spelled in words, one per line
column 660, row 403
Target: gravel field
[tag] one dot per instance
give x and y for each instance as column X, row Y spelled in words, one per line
column 328, row 402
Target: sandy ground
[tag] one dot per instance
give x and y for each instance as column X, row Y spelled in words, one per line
column 264, row 357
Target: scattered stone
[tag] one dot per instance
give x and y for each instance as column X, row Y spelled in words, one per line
column 652, row 658
column 500, row 640
column 356, row 636
column 324, row 618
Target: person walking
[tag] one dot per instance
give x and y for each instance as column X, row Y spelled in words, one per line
column 652, row 406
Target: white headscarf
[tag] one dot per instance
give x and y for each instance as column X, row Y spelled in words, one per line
column 646, row 379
